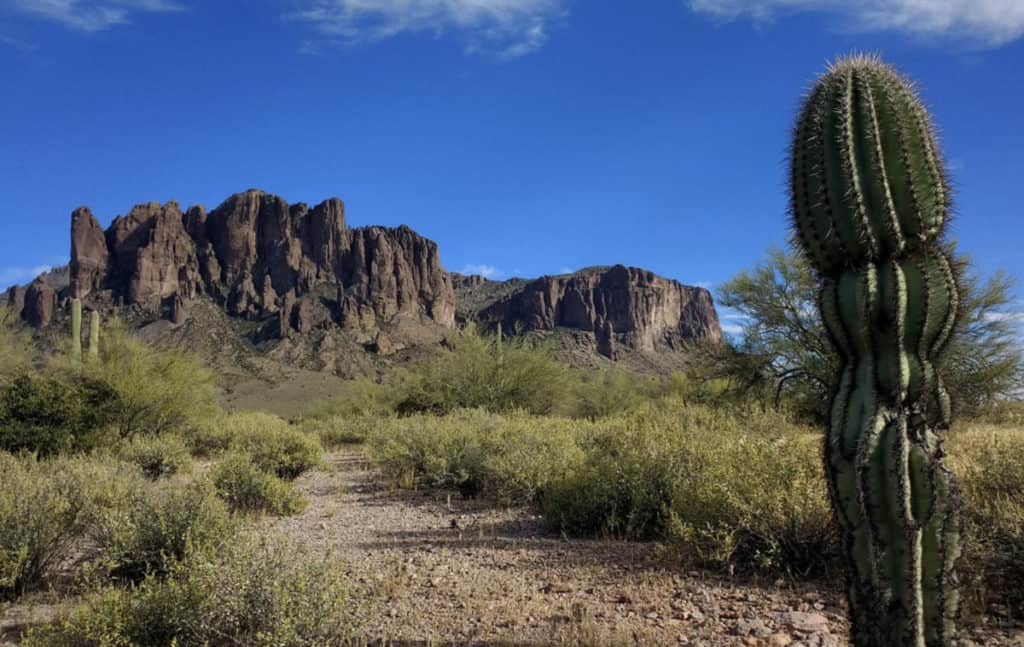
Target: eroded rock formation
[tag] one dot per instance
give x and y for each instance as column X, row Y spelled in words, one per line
column 254, row 247
column 620, row 305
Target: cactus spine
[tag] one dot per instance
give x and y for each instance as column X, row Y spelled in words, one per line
column 869, row 201
column 76, row 330
column 94, row 336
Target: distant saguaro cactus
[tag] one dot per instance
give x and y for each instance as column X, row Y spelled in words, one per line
column 94, row 335
column 869, row 201
column 76, row 330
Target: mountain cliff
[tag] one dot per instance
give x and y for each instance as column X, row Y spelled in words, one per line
column 296, row 284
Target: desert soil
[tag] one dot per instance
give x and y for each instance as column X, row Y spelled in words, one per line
column 451, row 571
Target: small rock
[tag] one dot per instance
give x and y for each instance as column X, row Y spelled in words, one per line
column 805, row 622
column 779, row 640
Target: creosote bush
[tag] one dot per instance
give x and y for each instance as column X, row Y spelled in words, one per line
column 246, row 487
column 157, row 456
column 273, row 444
column 161, row 524
column 48, row 506
column 244, row 592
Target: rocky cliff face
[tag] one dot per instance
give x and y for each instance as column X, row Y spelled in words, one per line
column 621, row 306
column 256, row 254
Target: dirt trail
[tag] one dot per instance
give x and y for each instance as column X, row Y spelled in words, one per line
column 453, row 571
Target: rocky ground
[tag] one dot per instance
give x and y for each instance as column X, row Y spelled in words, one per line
column 451, row 571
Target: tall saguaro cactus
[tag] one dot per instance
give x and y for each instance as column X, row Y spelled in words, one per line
column 869, row 201
column 76, row 330
column 94, row 336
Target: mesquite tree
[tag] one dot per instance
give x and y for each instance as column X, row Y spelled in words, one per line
column 869, row 200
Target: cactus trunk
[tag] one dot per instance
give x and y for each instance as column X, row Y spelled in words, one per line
column 869, row 201
column 94, row 335
column 76, row 330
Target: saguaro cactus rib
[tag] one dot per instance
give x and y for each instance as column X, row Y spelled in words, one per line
column 869, row 201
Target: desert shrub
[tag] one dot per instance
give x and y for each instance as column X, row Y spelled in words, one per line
column 157, row 391
column 611, row 391
column 159, row 525
column 989, row 462
column 337, row 430
column 486, row 373
column 248, row 488
column 273, row 444
column 244, row 593
column 48, row 507
column 728, row 488
column 211, row 436
column 16, row 350
column 157, row 456
column 50, row 414
column 508, row 458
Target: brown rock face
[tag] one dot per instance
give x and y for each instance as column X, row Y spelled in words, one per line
column 40, row 300
column 619, row 305
column 255, row 247
column 16, row 300
column 89, row 255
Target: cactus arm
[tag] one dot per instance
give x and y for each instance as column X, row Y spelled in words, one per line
column 76, row 330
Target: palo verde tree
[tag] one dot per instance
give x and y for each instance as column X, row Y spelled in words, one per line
column 870, row 200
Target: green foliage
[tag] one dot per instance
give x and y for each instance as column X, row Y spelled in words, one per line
column 273, row 445
column 157, row 456
column 160, row 525
column 509, row 458
column 336, row 430
column 784, row 354
column 248, row 488
column 869, row 201
column 244, row 593
column 47, row 508
column 54, row 414
column 158, row 391
column 16, row 351
column 481, row 372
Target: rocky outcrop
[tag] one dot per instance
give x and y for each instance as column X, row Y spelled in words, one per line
column 15, row 300
column 253, row 248
column 620, row 305
column 40, row 301
column 90, row 258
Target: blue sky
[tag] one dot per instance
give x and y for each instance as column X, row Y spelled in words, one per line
column 525, row 136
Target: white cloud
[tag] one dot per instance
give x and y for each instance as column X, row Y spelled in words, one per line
column 486, row 271
column 987, row 22
column 566, row 270
column 91, row 15
column 703, row 284
column 17, row 275
column 1012, row 317
column 505, row 28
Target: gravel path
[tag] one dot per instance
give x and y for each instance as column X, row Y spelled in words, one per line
column 452, row 571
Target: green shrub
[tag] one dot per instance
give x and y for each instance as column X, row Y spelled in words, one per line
column 210, row 437
column 507, row 458
column 248, row 488
column 48, row 507
column 244, row 593
column 157, row 456
column 159, row 525
column 273, row 444
column 337, row 430
column 486, row 373
column 54, row 414
column 157, row 391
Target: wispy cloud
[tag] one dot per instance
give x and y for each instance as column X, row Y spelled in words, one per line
column 984, row 22
column 17, row 275
column 486, row 271
column 505, row 28
column 91, row 15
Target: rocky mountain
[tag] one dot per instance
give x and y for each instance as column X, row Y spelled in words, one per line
column 300, row 275
column 623, row 307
